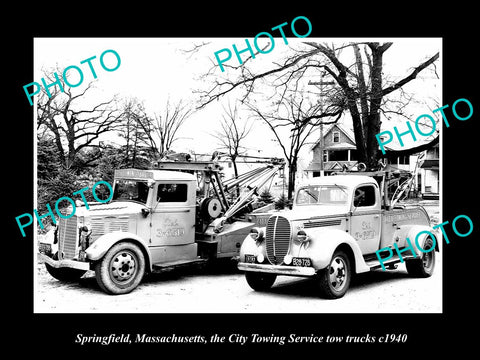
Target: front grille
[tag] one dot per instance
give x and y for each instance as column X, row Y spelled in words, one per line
column 67, row 238
column 277, row 239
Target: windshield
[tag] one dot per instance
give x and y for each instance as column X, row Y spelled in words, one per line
column 321, row 194
column 131, row 190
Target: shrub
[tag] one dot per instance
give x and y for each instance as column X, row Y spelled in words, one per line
column 282, row 202
column 266, row 196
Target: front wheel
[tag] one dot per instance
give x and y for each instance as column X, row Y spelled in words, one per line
column 334, row 280
column 260, row 281
column 121, row 269
column 64, row 274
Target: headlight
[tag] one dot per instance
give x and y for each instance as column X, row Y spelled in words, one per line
column 84, row 225
column 302, row 236
column 257, row 234
column 85, row 228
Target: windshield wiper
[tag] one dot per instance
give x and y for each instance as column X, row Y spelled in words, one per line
column 312, row 195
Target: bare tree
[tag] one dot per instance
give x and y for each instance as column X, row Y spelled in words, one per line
column 297, row 117
column 73, row 122
column 134, row 116
column 162, row 130
column 232, row 134
column 363, row 85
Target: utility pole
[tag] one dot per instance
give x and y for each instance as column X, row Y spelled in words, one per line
column 321, row 83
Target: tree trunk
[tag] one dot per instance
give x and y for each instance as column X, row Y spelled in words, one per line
column 235, row 172
column 292, row 171
column 374, row 123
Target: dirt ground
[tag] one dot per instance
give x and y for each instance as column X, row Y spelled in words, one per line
column 223, row 289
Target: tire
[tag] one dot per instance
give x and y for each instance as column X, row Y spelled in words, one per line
column 423, row 267
column 334, row 280
column 260, row 281
column 64, row 274
column 121, row 269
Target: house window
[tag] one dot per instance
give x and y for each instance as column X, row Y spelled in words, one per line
column 336, row 136
column 338, row 155
column 325, row 155
column 404, row 160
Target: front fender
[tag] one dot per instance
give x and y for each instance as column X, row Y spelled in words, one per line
column 100, row 247
column 251, row 247
column 323, row 243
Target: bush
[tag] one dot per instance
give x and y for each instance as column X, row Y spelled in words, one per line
column 266, row 196
column 282, row 202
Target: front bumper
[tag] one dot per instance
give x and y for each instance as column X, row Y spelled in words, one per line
column 74, row 264
column 278, row 269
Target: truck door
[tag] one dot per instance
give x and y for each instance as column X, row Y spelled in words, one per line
column 173, row 215
column 365, row 224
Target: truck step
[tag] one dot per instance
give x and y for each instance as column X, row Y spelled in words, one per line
column 171, row 265
column 373, row 262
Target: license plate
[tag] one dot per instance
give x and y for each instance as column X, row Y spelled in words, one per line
column 250, row 258
column 301, row 262
column 45, row 248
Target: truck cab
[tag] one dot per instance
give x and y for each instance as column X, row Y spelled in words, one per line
column 337, row 227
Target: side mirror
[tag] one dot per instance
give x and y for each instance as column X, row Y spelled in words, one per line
column 150, row 183
column 145, row 212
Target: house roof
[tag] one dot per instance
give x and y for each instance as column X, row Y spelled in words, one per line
column 347, row 132
column 393, row 145
column 340, row 146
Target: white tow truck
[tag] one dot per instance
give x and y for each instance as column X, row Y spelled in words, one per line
column 337, row 227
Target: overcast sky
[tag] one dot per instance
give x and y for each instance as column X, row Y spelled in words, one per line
column 155, row 69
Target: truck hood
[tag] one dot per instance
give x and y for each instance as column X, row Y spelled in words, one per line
column 306, row 212
column 113, row 208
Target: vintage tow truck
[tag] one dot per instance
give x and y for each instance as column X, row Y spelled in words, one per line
column 336, row 226
column 178, row 214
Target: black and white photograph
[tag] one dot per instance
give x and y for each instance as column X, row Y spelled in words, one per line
column 295, row 181
column 238, row 184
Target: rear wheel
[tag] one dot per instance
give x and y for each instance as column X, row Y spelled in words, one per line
column 64, row 274
column 424, row 266
column 260, row 281
column 334, row 280
column 121, row 269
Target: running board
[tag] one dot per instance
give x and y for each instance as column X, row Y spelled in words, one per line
column 374, row 263
column 168, row 266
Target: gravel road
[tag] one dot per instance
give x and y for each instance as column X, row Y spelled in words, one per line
column 223, row 289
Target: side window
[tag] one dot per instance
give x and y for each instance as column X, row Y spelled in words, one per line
column 172, row 193
column 364, row 196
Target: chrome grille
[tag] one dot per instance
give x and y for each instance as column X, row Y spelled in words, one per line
column 277, row 238
column 67, row 238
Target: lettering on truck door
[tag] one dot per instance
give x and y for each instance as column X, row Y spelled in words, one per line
column 365, row 224
column 173, row 218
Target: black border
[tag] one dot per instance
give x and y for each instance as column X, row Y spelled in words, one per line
column 437, row 331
